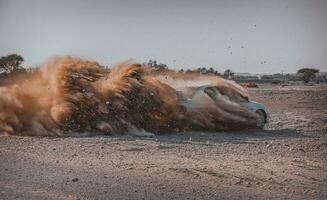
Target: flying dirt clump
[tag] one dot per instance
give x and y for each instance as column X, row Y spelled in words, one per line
column 70, row 96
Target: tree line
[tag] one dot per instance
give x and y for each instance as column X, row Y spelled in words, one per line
column 305, row 74
column 12, row 64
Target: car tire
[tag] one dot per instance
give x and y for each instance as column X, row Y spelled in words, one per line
column 261, row 119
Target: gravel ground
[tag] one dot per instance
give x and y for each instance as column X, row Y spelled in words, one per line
column 287, row 160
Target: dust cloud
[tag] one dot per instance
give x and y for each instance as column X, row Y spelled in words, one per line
column 74, row 97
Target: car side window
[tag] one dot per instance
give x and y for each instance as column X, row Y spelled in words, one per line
column 210, row 92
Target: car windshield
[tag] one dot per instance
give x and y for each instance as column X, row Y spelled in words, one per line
column 244, row 99
column 235, row 97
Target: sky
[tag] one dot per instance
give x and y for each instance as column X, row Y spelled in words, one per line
column 257, row 36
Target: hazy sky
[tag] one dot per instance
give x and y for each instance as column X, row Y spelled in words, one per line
column 245, row 36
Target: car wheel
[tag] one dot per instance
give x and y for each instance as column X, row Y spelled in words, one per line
column 262, row 119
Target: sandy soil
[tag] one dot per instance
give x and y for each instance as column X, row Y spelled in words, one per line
column 287, row 160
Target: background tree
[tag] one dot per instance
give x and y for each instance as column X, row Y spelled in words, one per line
column 11, row 63
column 211, row 70
column 306, row 74
column 228, row 73
column 155, row 65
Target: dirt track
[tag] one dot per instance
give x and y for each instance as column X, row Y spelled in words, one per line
column 287, row 160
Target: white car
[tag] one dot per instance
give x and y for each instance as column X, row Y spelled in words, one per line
column 214, row 93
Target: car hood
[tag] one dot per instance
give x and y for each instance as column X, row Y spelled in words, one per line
column 252, row 105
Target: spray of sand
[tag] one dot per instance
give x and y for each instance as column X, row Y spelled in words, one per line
column 70, row 96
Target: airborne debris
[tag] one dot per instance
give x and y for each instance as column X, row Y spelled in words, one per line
column 74, row 179
column 70, row 96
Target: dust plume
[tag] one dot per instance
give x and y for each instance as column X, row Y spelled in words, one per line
column 70, row 96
